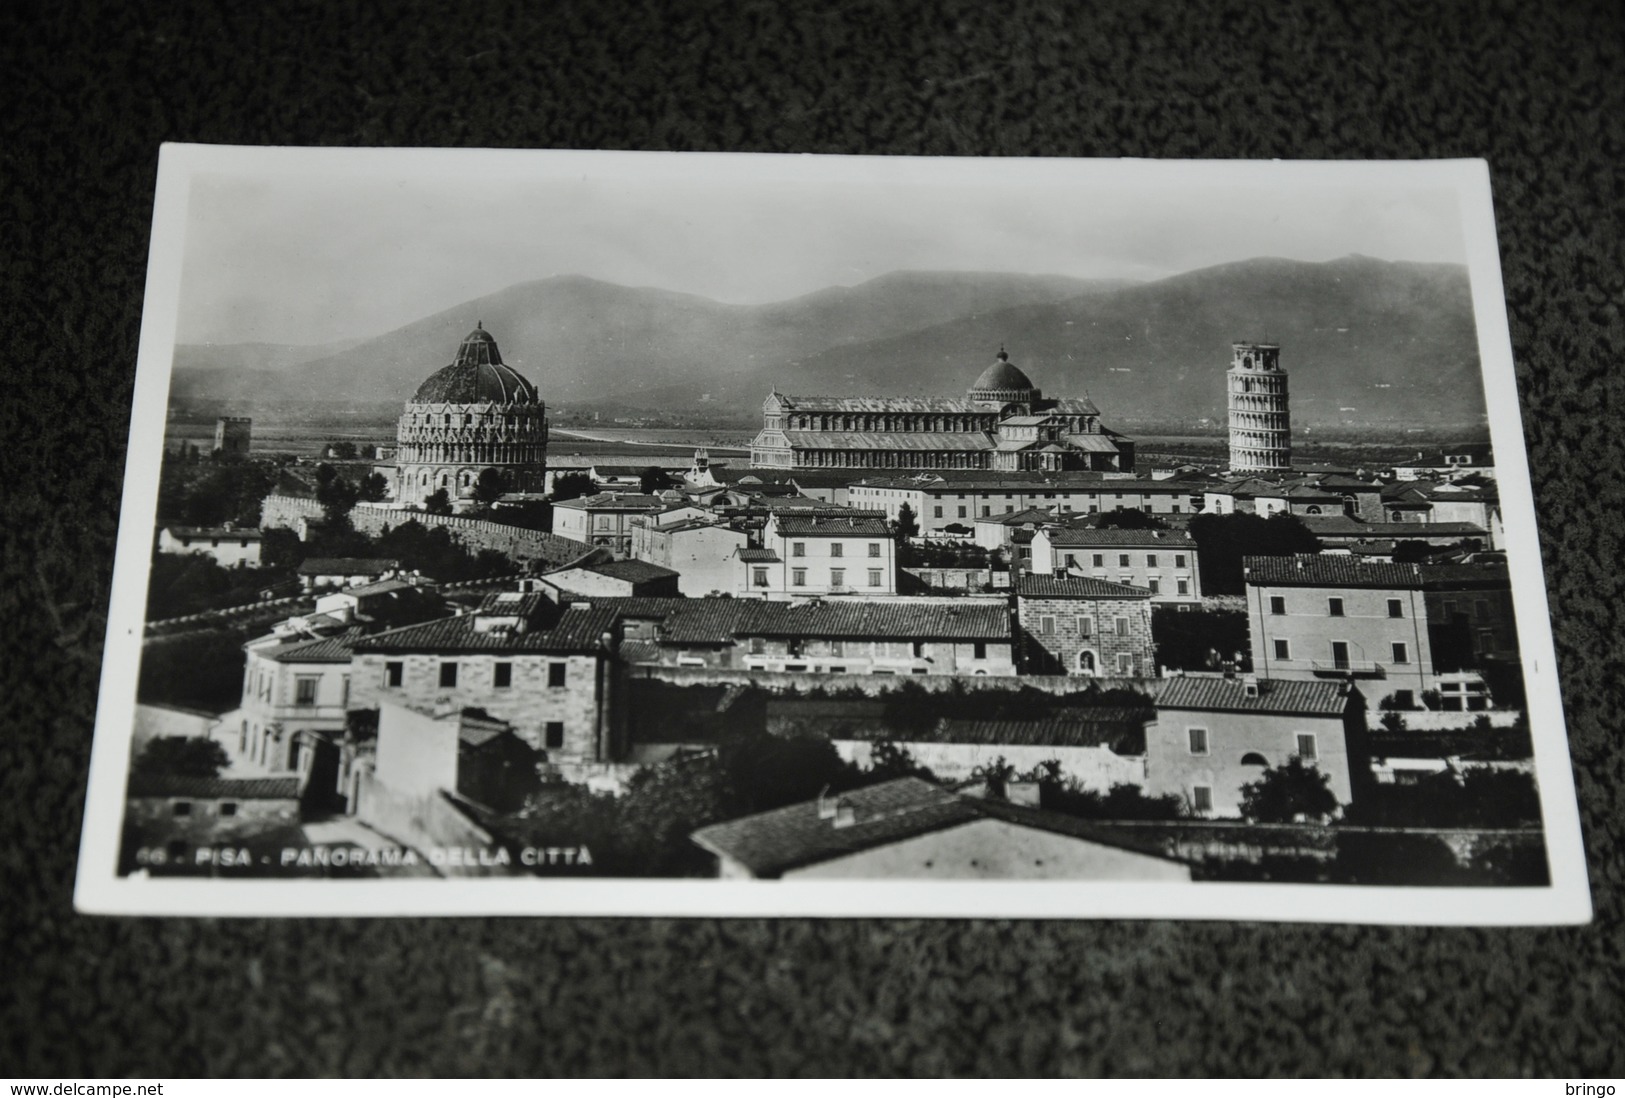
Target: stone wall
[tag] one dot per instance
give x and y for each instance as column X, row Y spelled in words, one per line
column 520, row 544
column 1058, row 651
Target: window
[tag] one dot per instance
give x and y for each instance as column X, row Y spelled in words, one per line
column 1197, row 738
column 448, row 674
column 837, row 549
column 1306, row 747
column 554, row 734
column 393, row 672
column 919, row 650
column 1283, row 649
column 344, row 690
column 1071, row 560
column 1179, row 560
column 1402, row 654
column 1154, row 584
column 1334, row 606
column 1405, row 699
column 1202, row 798
column 798, row 548
column 1184, row 586
column 1122, row 560
column 502, row 675
column 837, row 577
column 979, row 650
column 1086, row 627
column 1100, row 560
column 1396, row 608
column 1046, row 625
column 1151, row 560
column 961, row 512
column 228, row 808
column 304, row 689
column 1481, row 609
column 936, row 512
column 875, row 577
column 1449, row 609
column 1122, row 627
column 798, row 577
column 874, row 549
column 1125, row 663
column 182, row 808
column 758, row 646
column 759, row 577
column 1277, row 604
column 556, row 673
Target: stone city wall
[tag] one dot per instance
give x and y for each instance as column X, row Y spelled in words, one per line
column 517, row 542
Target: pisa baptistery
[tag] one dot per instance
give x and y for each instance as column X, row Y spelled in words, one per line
column 473, row 415
column 1260, row 426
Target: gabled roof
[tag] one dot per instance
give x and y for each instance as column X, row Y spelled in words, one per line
column 632, row 571
column 853, row 525
column 1119, row 729
column 335, row 649
column 771, row 843
column 614, row 501
column 1328, row 570
column 1083, row 536
column 758, row 556
column 248, row 533
column 900, row 440
column 1076, row 587
column 205, row 789
column 576, row 630
column 948, row 619
column 1326, row 699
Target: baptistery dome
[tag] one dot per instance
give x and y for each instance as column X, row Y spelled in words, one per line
column 476, row 414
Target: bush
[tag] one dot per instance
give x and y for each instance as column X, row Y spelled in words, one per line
column 188, row 756
column 1293, row 793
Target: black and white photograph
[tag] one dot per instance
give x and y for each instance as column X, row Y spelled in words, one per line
column 537, row 532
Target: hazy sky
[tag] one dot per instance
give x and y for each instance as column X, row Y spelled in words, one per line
column 313, row 257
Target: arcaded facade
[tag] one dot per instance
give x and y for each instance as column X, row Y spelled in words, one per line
column 473, row 415
column 1260, row 424
column 1003, row 422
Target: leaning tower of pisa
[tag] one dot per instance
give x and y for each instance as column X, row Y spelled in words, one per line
column 1260, row 426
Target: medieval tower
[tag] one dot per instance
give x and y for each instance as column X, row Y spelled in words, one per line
column 1260, row 426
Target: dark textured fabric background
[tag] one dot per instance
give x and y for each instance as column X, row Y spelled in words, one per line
column 92, row 88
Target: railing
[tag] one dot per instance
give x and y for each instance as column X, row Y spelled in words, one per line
column 1364, row 668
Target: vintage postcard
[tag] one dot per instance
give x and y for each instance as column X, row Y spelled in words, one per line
column 524, row 532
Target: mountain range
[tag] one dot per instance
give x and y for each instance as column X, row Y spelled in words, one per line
column 1363, row 340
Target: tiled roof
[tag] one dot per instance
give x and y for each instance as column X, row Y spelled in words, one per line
column 1445, row 577
column 1077, row 587
column 244, row 532
column 233, row 789
column 1230, row 695
column 1328, row 570
column 878, row 404
column 523, row 604
column 1121, row 730
column 1347, row 526
column 633, row 571
column 636, row 651
column 706, row 621
column 575, row 631
column 1096, row 444
column 614, row 501
column 347, row 566
column 758, row 556
column 771, row 843
column 382, row 587
column 855, row 525
column 900, row 620
column 336, row 649
column 1112, row 536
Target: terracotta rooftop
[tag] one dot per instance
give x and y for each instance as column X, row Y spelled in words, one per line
column 235, row 789
column 1231, row 695
column 1076, row 587
column 1328, row 570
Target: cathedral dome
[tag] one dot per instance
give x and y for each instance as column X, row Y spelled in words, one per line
column 1001, row 381
column 477, row 376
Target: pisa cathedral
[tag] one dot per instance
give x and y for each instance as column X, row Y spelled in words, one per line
column 1003, row 423
column 477, row 413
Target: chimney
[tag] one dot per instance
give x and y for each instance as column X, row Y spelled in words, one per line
column 1249, row 686
column 826, row 804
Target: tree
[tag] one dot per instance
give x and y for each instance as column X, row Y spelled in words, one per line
column 375, row 488
column 342, row 451
column 1413, row 552
column 572, row 486
column 1292, row 793
column 336, row 495
column 490, row 487
column 1223, row 540
column 438, row 503
column 1128, row 518
column 187, row 756
column 1199, row 640
column 907, row 525
column 888, row 760
column 654, row 481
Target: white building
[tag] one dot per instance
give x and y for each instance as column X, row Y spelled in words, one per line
column 832, row 554
column 231, row 546
column 1162, row 561
column 701, row 549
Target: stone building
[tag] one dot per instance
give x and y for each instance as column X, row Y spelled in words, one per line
column 476, row 414
column 1161, row 561
column 1084, row 626
column 545, row 670
column 1003, row 422
column 1260, row 423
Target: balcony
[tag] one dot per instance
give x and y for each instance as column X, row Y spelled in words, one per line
column 1351, row 669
